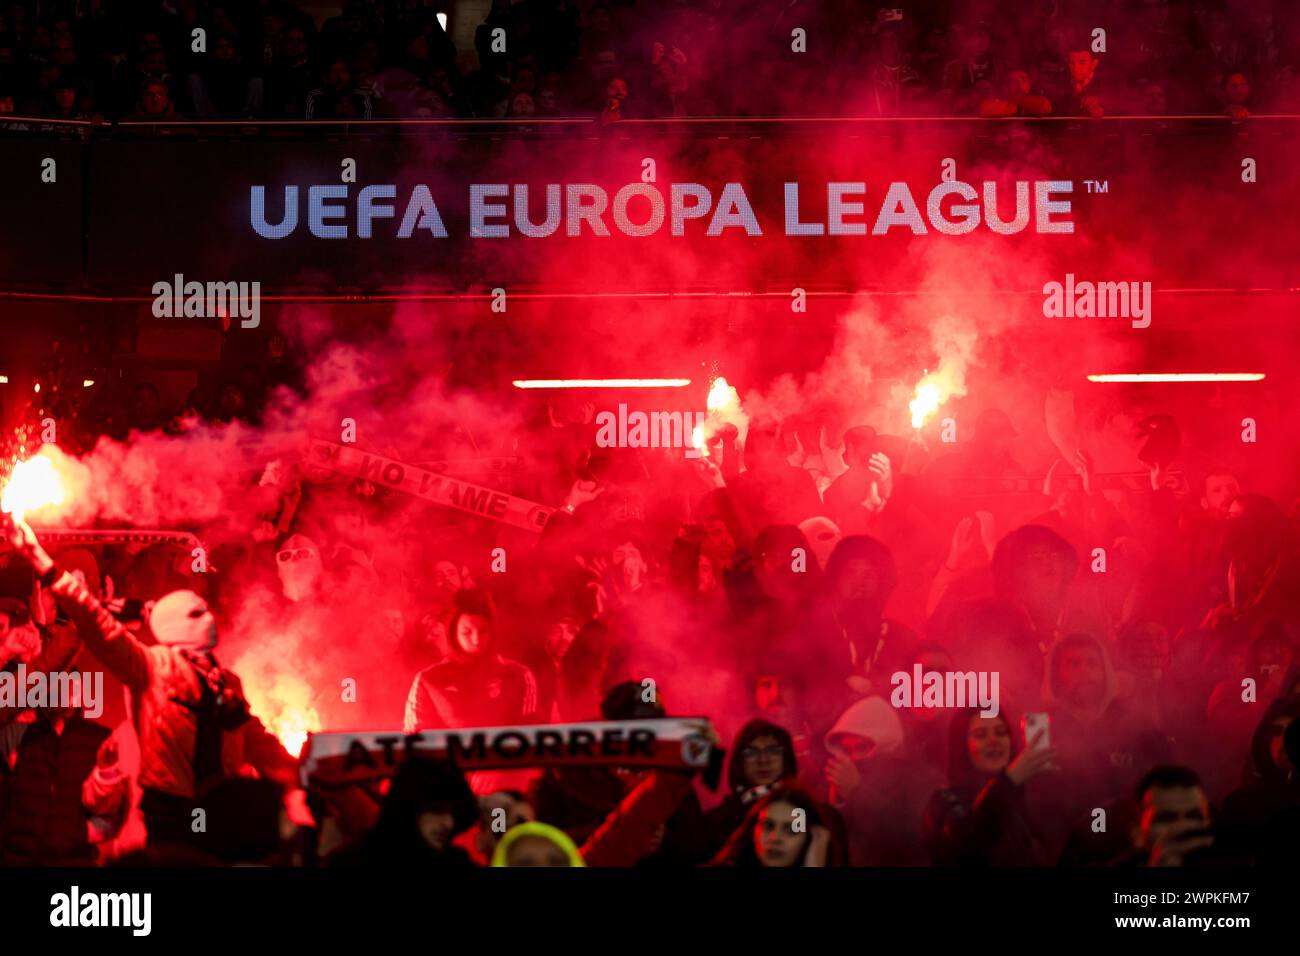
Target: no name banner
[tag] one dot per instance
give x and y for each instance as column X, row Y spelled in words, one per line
column 431, row 486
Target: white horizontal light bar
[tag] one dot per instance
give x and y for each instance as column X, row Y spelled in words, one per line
column 601, row 382
column 1180, row 377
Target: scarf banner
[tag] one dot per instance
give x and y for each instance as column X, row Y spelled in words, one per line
column 968, row 486
column 430, row 485
column 671, row 743
column 62, row 536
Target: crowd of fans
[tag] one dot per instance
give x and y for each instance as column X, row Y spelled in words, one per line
column 777, row 586
column 268, row 59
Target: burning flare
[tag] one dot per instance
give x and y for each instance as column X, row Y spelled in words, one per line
column 284, row 706
column 32, row 484
column 927, row 402
column 723, row 405
column 723, row 398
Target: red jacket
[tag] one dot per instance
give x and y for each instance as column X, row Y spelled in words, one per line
column 165, row 693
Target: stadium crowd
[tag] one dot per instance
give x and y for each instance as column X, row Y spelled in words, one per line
column 778, row 586
column 268, row 59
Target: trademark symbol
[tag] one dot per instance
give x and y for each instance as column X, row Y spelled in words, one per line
column 1097, row 185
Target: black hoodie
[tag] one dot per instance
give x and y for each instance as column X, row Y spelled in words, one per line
column 419, row 786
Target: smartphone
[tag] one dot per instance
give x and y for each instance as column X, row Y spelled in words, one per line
column 1035, row 723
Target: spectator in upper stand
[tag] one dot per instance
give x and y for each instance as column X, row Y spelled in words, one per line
column 894, row 87
column 64, row 56
column 1082, row 96
column 224, row 86
column 676, row 61
column 974, row 75
column 522, row 106
column 337, row 97
column 147, row 413
column 1236, row 95
column 548, row 102
column 615, row 99
column 63, row 102
column 1016, row 99
column 290, row 78
column 155, row 103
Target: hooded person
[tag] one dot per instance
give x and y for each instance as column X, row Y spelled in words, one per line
column 1231, row 721
column 770, row 591
column 536, row 844
column 475, row 686
column 427, row 805
column 190, row 714
column 1034, row 566
column 1273, row 789
column 1103, row 745
column 858, row 644
column 878, row 787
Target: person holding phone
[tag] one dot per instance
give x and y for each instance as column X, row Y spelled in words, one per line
column 1173, row 820
column 981, row 818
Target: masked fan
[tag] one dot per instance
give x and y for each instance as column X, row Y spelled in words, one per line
column 190, row 714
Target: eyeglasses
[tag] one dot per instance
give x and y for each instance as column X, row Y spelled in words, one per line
column 296, row 554
column 753, row 753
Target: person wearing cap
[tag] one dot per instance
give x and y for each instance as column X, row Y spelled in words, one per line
column 190, row 714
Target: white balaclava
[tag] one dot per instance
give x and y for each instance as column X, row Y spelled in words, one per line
column 299, row 565
column 823, row 534
column 183, row 620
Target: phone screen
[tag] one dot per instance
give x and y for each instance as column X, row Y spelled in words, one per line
column 1034, row 724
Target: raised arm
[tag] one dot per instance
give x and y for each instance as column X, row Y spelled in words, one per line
column 113, row 644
